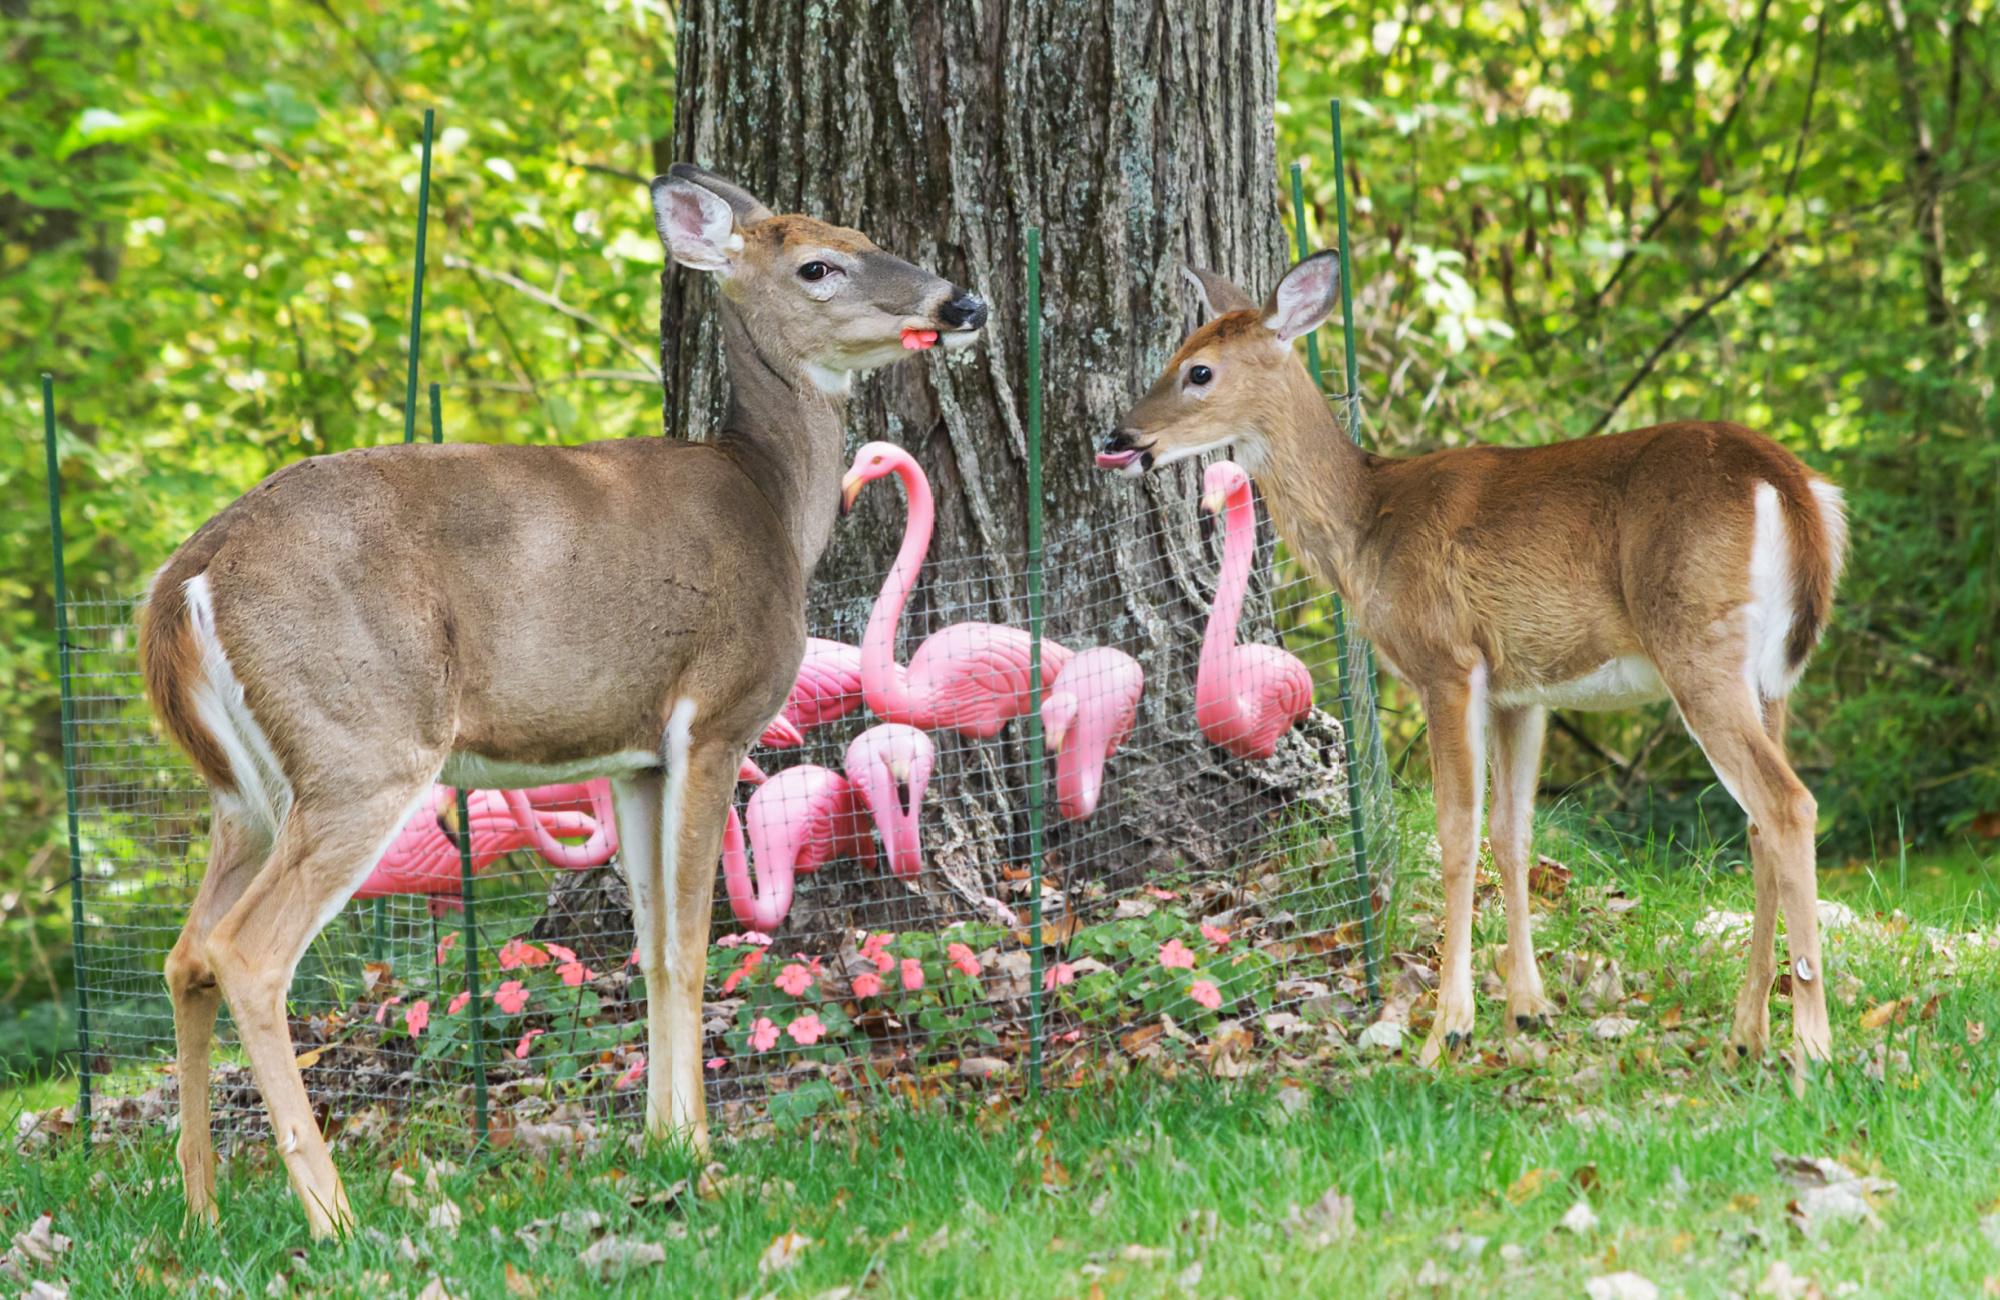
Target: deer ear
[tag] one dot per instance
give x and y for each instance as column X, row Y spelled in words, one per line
column 695, row 224
column 1304, row 298
column 1218, row 296
column 741, row 201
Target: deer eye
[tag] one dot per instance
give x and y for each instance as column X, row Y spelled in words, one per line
column 1200, row 375
column 813, row 271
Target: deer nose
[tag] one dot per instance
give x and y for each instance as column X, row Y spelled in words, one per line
column 965, row 312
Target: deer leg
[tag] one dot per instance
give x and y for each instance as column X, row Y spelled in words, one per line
column 1456, row 714
column 1517, row 762
column 326, row 847
column 711, row 784
column 639, row 801
column 1728, row 724
column 237, row 848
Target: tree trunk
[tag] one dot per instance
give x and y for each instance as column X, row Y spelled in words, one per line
column 1137, row 136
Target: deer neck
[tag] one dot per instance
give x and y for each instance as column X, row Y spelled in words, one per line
column 786, row 434
column 1315, row 482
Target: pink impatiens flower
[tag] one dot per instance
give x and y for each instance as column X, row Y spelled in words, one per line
column 521, row 1051
column 867, row 984
column 574, row 972
column 1163, row 895
column 757, row 937
column 750, row 960
column 794, row 979
column 560, row 953
column 417, row 1017
column 875, row 948
column 1216, row 935
column 450, row 942
column 1205, row 993
column 458, row 1003
column 382, row 1012
column 726, row 941
column 516, row 953
column 717, row 1062
column 806, row 1030
column 1058, row 975
column 913, row 974
column 510, row 997
column 960, row 955
column 1175, row 953
column 763, row 1035
column 631, row 1076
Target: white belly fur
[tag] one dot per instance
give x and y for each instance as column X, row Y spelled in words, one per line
column 1619, row 683
column 476, row 773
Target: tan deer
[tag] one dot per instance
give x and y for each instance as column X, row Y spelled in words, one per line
column 360, row 625
column 1691, row 562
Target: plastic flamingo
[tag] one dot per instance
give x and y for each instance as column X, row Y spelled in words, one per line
column 806, row 816
column 1245, row 696
column 424, row 857
column 828, row 688
column 971, row 677
column 1086, row 717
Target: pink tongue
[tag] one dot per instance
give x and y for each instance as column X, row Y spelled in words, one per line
column 1115, row 459
column 917, row 340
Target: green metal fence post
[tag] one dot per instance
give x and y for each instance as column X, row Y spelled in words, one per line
column 1364, row 674
column 69, row 764
column 480, row 1125
column 1033, row 720
column 1357, row 829
column 417, row 287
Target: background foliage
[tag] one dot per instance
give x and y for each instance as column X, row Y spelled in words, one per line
column 1567, row 217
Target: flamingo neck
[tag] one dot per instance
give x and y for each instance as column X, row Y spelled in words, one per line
column 878, row 644
column 1239, row 545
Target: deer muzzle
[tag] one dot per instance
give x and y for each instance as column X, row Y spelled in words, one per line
column 1123, row 453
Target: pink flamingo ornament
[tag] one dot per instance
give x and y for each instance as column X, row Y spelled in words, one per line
column 1245, row 696
column 971, row 677
column 806, row 816
column 828, row 688
column 1085, row 718
column 424, row 858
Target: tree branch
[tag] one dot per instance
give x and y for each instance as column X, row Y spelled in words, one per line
column 1687, row 323
column 577, row 314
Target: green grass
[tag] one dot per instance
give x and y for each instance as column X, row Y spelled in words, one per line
column 1669, row 1143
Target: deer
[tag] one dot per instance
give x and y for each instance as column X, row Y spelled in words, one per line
column 1693, row 562
column 359, row 625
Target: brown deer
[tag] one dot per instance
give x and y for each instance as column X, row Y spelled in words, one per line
column 1693, row 562
column 360, row 625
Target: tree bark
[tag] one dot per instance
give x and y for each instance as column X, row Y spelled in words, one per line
column 1138, row 136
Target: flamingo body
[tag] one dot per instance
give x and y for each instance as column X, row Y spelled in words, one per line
column 971, row 678
column 1245, row 696
column 806, row 816
column 1088, row 714
column 424, row 859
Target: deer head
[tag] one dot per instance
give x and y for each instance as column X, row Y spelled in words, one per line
column 821, row 297
column 1234, row 379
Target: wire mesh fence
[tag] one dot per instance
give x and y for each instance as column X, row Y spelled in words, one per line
column 1188, row 922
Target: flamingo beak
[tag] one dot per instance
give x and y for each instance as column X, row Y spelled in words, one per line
column 1213, row 502
column 1052, row 735
column 850, row 488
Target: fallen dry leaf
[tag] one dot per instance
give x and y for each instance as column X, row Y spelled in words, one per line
column 42, row 1289
column 1610, row 1027
column 1325, row 1221
column 1385, row 1034
column 1975, row 1032
column 1620, row 1286
column 1137, row 1254
column 436, row 1291
column 1548, row 879
column 520, row 1285
column 307, row 1060
column 1529, row 1185
column 936, row 1242
column 1829, row 1193
column 1781, row 1283
column 1579, row 1219
column 41, row 1243
column 610, row 1258
column 783, row 1252
column 1880, row 1014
